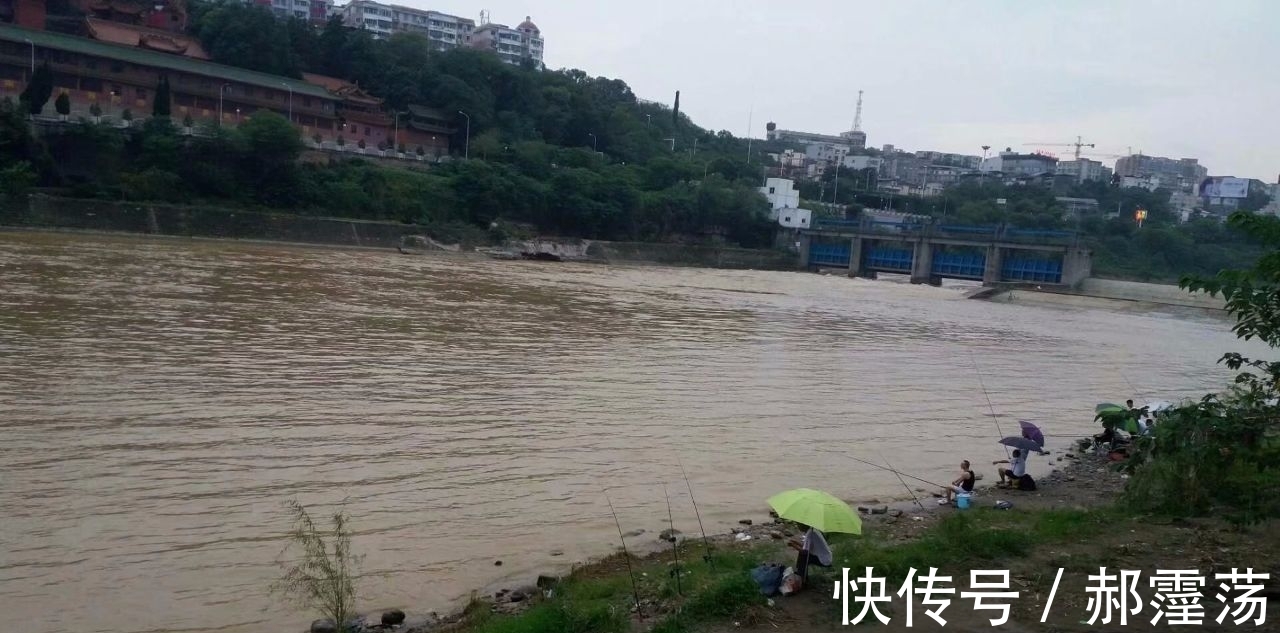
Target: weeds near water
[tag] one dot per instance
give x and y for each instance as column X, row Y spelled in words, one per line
column 323, row 575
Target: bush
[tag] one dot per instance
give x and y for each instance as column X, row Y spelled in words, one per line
column 323, row 577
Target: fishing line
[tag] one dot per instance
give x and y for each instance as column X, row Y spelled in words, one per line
column 990, row 406
column 675, row 542
column 898, row 472
column 903, row 482
column 626, row 556
column 705, row 543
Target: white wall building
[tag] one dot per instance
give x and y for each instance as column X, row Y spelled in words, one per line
column 315, row 11
column 794, row 218
column 859, row 162
column 1084, row 169
column 826, row 152
column 1150, row 183
column 781, row 193
column 513, row 46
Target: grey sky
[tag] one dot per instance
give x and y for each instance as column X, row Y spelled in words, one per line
column 1168, row 78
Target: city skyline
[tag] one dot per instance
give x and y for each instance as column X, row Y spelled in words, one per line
column 1165, row 79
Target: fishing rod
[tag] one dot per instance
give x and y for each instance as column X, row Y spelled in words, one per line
column 706, row 544
column 976, row 370
column 626, row 556
column 675, row 542
column 903, row 482
column 900, row 473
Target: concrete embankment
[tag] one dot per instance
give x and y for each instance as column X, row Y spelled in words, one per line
column 51, row 212
column 1108, row 293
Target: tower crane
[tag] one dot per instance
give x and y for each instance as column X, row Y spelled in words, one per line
column 1078, row 144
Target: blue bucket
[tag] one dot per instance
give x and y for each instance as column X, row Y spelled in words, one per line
column 962, row 501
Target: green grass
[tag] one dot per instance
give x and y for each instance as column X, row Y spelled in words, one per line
column 722, row 590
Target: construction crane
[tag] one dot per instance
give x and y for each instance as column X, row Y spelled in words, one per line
column 1078, row 144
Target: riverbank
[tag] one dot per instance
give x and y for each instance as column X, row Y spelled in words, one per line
column 1112, row 294
column 1072, row 522
column 58, row 214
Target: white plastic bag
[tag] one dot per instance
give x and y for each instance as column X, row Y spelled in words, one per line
column 791, row 582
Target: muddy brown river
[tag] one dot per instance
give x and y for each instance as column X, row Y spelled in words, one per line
column 161, row 400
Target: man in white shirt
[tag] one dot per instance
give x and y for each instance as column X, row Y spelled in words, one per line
column 1017, row 467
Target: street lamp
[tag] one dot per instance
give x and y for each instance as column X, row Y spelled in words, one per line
column 466, row 152
column 222, row 90
column 395, row 138
column 982, row 173
column 593, row 141
column 648, row 120
column 290, row 89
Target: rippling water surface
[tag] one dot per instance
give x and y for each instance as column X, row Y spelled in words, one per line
column 160, row 400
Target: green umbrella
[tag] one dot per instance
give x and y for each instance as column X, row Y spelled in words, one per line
column 816, row 509
column 1107, row 407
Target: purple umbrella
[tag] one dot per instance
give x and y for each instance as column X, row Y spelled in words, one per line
column 1022, row 443
column 1031, row 432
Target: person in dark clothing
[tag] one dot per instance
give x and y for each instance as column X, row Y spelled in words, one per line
column 962, row 484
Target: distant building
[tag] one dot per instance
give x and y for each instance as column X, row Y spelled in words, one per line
column 793, row 218
column 1084, row 169
column 857, row 139
column 826, row 152
column 1178, row 174
column 781, row 193
column 314, row 11
column 1078, row 207
column 514, row 46
column 444, row 31
column 860, row 162
column 1016, row 164
column 1150, row 183
column 1184, row 203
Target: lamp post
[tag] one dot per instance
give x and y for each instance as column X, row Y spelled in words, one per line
column 222, row 90
column 593, row 141
column 33, row 54
column 466, row 151
column 982, row 173
column 395, row 138
column 290, row 89
column 648, row 120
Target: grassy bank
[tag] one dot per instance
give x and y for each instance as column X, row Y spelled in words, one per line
column 718, row 591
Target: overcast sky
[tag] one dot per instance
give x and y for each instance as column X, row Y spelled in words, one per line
column 1164, row 77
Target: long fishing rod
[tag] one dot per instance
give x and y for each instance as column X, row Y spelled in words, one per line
column 626, row 556
column 976, row 370
column 931, row 483
column 706, row 544
column 675, row 542
column 903, row 482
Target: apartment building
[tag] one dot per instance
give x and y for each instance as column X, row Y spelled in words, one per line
column 314, row 11
column 513, row 46
column 1172, row 173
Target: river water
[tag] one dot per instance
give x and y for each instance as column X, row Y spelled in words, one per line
column 160, row 401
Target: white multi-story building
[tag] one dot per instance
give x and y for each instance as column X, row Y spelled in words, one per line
column 374, row 17
column 826, row 152
column 513, row 46
column 781, row 193
column 443, row 30
column 1084, row 169
column 314, row 11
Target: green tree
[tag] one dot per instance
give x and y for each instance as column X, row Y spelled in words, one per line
column 161, row 103
column 38, row 89
column 62, row 105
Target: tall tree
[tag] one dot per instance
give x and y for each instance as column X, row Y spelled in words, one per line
column 62, row 105
column 38, row 90
column 160, row 106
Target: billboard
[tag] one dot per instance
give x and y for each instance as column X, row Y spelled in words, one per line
column 1224, row 187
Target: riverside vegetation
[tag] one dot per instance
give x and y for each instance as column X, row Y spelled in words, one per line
column 1204, row 488
column 656, row 176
